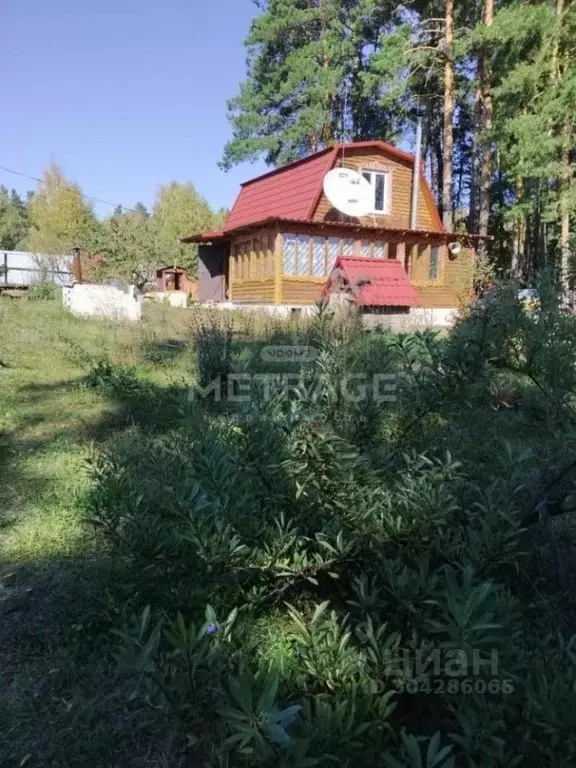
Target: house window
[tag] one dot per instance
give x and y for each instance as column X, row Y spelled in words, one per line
column 254, row 258
column 434, row 263
column 348, row 248
column 303, row 255
column 379, row 250
column 365, row 248
column 333, row 251
column 379, row 184
column 290, row 247
column 271, row 261
column 319, row 257
column 245, row 260
column 392, row 250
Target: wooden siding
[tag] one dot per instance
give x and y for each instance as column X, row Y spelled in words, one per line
column 455, row 283
column 252, row 266
column 400, row 178
column 254, row 291
column 438, row 297
column 301, row 290
column 459, row 272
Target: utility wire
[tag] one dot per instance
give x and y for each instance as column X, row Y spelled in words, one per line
column 86, row 197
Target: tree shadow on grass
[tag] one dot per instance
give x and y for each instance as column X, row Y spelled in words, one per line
column 165, row 352
column 63, row 700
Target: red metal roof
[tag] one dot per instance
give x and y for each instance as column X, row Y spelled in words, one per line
column 387, row 283
column 292, row 192
column 288, row 192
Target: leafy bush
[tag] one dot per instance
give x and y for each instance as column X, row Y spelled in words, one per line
column 326, row 580
column 43, row 292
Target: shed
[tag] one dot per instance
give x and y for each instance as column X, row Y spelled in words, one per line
column 173, row 278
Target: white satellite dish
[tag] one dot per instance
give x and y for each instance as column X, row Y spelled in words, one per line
column 349, row 192
column 454, row 248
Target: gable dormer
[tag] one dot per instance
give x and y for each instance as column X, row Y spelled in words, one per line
column 389, row 172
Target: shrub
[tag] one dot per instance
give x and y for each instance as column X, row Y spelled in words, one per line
column 320, row 581
column 43, row 292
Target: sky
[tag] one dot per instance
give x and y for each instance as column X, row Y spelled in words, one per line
column 124, row 95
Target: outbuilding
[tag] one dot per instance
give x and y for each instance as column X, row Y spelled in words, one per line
column 173, row 278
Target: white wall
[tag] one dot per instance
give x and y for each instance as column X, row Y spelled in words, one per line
column 429, row 316
column 102, row 301
column 174, row 298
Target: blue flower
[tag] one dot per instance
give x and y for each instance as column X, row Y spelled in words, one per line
column 212, row 629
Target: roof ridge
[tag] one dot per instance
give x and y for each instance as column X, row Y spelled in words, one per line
column 287, row 166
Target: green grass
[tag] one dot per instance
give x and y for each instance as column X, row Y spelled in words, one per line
column 63, row 701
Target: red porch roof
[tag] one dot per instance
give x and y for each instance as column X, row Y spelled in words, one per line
column 387, row 284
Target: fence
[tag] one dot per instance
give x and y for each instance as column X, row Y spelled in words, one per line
column 19, row 269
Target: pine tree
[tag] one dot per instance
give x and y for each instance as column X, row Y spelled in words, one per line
column 310, row 80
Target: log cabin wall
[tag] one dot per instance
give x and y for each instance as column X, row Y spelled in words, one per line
column 306, row 258
column 399, row 181
column 455, row 284
column 269, row 266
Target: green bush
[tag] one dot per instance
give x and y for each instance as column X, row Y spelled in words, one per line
column 320, row 580
column 43, row 292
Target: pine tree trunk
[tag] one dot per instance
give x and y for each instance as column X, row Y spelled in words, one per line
column 448, row 142
column 474, row 181
column 565, row 210
column 566, row 173
column 488, row 118
column 519, row 235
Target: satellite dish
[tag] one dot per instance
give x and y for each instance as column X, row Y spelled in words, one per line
column 455, row 248
column 349, row 192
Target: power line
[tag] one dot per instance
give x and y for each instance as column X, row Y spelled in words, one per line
column 86, row 197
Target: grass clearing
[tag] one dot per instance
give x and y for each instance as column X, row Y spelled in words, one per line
column 63, row 700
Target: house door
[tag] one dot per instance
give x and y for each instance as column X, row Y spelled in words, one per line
column 212, row 279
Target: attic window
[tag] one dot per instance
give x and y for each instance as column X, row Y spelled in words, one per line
column 379, row 183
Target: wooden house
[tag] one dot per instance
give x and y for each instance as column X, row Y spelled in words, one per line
column 282, row 237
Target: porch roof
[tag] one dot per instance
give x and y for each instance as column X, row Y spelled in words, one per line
column 325, row 227
column 375, row 282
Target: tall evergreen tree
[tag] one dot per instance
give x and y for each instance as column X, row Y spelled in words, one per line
column 310, row 79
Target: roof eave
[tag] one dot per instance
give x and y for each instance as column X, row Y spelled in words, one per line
column 204, row 237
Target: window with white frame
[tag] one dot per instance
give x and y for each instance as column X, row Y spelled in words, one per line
column 379, row 182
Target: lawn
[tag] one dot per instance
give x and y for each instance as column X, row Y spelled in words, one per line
column 63, row 701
